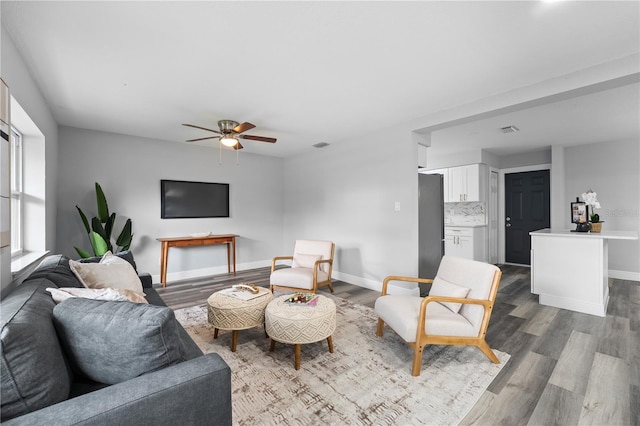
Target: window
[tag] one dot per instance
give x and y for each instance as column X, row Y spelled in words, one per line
column 15, row 139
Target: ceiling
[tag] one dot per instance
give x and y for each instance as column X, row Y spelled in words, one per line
column 309, row 72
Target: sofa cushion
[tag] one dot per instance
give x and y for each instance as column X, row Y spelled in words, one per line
column 111, row 342
column 110, row 272
column 56, row 269
column 34, row 370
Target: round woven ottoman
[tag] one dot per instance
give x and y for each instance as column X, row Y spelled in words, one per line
column 228, row 312
column 300, row 324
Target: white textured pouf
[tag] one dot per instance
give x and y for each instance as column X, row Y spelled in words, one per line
column 300, row 324
column 227, row 312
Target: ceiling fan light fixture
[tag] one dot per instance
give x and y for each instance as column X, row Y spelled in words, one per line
column 228, row 140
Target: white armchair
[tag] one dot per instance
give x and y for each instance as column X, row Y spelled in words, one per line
column 456, row 311
column 311, row 266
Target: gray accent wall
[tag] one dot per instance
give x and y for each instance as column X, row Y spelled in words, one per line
column 612, row 170
column 130, row 168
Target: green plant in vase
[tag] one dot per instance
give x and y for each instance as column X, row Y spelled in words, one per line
column 101, row 229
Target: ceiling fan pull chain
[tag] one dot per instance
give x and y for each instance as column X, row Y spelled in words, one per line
column 220, row 149
column 237, row 157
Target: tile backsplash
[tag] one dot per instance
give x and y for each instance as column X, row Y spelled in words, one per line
column 471, row 213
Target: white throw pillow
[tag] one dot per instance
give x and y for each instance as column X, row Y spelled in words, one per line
column 111, row 272
column 441, row 287
column 113, row 294
column 305, row 260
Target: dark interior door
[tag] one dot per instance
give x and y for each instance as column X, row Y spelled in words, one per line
column 527, row 208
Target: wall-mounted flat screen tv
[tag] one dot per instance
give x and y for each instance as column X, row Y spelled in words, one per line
column 183, row 199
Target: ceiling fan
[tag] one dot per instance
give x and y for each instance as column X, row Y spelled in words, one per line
column 230, row 132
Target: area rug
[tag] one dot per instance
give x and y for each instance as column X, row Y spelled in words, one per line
column 366, row 381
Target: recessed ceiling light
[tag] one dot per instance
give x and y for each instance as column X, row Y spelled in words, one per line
column 509, row 129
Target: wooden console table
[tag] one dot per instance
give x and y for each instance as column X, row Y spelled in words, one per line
column 228, row 239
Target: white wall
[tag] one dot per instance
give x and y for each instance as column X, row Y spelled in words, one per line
column 612, row 169
column 347, row 193
column 24, row 90
column 129, row 169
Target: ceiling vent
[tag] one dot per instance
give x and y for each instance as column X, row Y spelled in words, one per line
column 510, row 129
column 320, row 145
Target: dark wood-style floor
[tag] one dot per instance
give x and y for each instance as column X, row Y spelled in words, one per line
column 566, row 368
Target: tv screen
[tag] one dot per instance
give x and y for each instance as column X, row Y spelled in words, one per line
column 183, row 199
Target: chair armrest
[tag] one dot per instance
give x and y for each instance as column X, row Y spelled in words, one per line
column 277, row 258
column 406, row 279
column 316, row 265
column 197, row 391
column 462, row 300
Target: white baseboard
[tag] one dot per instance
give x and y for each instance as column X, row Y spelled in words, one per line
column 408, row 289
column 394, row 288
column 624, row 275
column 206, row 272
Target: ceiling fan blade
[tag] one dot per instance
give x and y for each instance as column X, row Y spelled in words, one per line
column 241, row 128
column 258, row 138
column 202, row 128
column 238, row 146
column 201, row 139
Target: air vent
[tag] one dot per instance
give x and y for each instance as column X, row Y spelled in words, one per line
column 320, row 145
column 510, row 129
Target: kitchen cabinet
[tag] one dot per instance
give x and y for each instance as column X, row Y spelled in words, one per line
column 463, row 183
column 466, row 242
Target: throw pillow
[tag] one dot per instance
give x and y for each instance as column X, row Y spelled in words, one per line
column 126, row 255
column 305, row 260
column 441, row 287
column 111, row 272
column 110, row 342
column 114, row 294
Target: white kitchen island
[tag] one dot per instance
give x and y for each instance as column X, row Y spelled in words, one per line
column 569, row 270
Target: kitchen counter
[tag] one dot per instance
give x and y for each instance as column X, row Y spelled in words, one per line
column 569, row 270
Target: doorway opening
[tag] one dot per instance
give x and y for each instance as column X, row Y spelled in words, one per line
column 527, row 208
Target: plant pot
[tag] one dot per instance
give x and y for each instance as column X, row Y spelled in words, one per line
column 596, row 227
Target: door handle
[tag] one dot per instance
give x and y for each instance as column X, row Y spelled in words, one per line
column 508, row 219
column 508, row 225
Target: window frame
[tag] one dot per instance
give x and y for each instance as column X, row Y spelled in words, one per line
column 16, row 140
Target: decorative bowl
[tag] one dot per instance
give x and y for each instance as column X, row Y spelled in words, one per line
column 200, row 234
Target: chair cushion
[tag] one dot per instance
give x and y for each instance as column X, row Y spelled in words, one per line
column 296, row 277
column 110, row 342
column 317, row 247
column 301, row 260
column 401, row 314
column 477, row 276
column 442, row 287
column 34, row 370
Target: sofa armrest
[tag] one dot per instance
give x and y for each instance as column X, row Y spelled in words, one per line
column 194, row 392
column 146, row 280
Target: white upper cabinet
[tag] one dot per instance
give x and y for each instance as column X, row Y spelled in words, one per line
column 464, row 183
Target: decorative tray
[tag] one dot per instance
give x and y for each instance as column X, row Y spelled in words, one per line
column 302, row 299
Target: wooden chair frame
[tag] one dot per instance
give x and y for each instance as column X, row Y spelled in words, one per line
column 316, row 267
column 423, row 339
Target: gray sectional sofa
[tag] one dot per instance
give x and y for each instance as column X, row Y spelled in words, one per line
column 47, row 363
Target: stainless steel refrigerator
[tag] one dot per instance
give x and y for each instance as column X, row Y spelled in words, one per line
column 430, row 223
